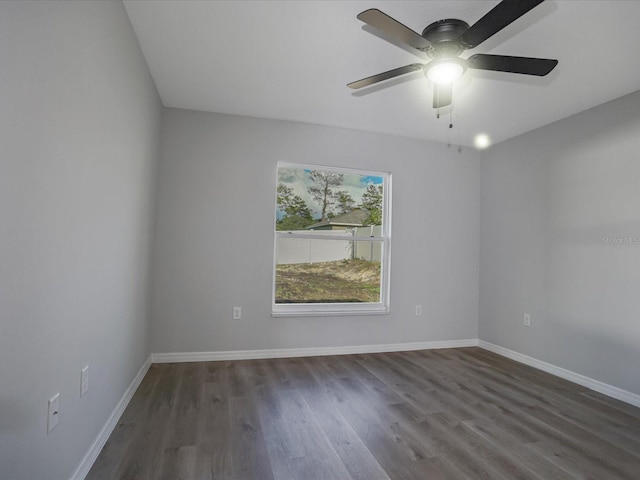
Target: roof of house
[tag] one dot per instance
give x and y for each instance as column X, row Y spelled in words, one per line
column 354, row 218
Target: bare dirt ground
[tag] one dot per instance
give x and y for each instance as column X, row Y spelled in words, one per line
column 342, row 281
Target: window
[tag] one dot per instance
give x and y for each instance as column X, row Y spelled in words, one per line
column 332, row 241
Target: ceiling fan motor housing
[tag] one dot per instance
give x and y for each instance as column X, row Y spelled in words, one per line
column 443, row 37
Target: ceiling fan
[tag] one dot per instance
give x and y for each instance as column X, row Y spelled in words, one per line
column 443, row 41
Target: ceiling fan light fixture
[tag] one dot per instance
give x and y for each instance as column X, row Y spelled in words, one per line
column 445, row 70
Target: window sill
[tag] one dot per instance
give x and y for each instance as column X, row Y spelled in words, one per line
column 310, row 312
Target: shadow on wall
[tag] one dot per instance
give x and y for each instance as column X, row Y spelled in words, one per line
column 575, row 344
column 593, row 302
column 14, row 418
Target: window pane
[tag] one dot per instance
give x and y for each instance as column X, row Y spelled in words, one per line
column 327, row 271
column 320, row 198
column 332, row 241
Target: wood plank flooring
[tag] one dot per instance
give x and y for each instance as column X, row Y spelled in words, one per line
column 438, row 414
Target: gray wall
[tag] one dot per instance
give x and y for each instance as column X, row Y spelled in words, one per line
column 550, row 199
column 79, row 126
column 216, row 203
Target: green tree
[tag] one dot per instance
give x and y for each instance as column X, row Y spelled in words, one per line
column 322, row 190
column 345, row 202
column 372, row 203
column 288, row 223
column 297, row 214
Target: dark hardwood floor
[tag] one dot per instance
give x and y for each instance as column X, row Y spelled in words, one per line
column 437, row 414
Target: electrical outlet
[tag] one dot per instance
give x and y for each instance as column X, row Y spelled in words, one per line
column 418, row 310
column 84, row 380
column 237, row 313
column 54, row 412
column 527, row 320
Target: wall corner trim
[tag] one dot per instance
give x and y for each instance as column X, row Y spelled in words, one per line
column 306, row 352
column 601, row 387
column 95, row 449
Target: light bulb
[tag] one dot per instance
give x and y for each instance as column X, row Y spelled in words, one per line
column 445, row 70
column 482, row 141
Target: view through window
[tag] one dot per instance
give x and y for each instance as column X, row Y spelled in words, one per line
column 331, row 240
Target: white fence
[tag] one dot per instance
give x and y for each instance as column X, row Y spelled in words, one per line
column 313, row 250
column 368, row 250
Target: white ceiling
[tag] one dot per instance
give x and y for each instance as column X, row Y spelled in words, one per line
column 291, row 60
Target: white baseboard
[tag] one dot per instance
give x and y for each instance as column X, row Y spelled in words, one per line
column 601, row 387
column 306, row 352
column 90, row 457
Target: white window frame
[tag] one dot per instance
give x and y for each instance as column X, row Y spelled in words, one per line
column 340, row 309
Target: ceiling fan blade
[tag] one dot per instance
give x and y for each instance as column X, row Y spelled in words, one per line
column 442, row 94
column 393, row 28
column 495, row 20
column 396, row 72
column 504, row 63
